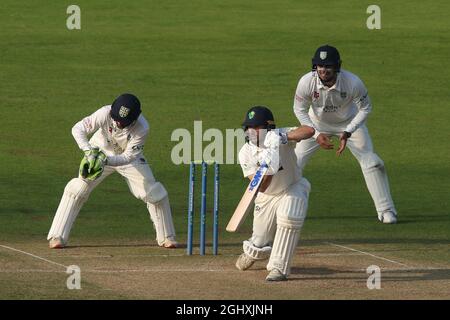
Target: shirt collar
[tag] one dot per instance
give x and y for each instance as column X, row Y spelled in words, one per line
column 117, row 129
column 336, row 86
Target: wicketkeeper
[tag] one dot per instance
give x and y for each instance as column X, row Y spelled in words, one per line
column 335, row 102
column 118, row 134
column 282, row 200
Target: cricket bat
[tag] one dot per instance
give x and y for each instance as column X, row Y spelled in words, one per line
column 244, row 206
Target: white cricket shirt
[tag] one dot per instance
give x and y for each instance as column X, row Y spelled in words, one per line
column 345, row 106
column 288, row 174
column 122, row 146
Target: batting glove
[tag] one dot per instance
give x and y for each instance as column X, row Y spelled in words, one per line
column 271, row 157
column 274, row 138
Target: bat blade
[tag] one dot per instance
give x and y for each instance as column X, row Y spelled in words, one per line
column 244, row 206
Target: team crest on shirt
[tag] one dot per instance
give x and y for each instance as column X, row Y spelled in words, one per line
column 343, row 95
column 316, row 95
column 123, row 111
column 323, row 55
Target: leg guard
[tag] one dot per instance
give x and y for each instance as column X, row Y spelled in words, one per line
column 284, row 245
column 75, row 195
column 290, row 218
column 377, row 182
column 159, row 208
column 256, row 253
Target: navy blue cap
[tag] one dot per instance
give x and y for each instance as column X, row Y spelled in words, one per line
column 126, row 109
column 259, row 116
column 326, row 55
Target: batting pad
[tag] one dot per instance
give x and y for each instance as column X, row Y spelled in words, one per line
column 283, row 249
column 290, row 218
column 161, row 215
column 291, row 212
column 75, row 195
column 255, row 252
column 377, row 182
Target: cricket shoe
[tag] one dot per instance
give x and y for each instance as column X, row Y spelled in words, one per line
column 276, row 275
column 244, row 262
column 56, row 243
column 388, row 216
column 169, row 243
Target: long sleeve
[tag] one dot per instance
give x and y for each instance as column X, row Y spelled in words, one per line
column 134, row 149
column 82, row 129
column 362, row 101
column 302, row 103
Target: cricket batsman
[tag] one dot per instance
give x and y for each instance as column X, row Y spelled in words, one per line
column 335, row 102
column 119, row 132
column 282, row 200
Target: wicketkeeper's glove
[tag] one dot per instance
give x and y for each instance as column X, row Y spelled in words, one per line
column 92, row 164
column 88, row 161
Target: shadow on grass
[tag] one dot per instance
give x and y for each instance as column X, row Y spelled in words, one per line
column 433, row 275
column 149, row 245
column 109, row 246
column 323, row 273
column 403, row 219
column 343, row 241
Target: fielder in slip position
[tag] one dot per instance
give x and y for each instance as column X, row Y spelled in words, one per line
column 282, row 200
column 335, row 102
column 118, row 134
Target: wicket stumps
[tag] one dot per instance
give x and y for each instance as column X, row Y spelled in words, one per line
column 191, row 208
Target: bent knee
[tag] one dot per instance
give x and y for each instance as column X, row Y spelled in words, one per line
column 371, row 160
column 77, row 188
column 292, row 212
column 154, row 193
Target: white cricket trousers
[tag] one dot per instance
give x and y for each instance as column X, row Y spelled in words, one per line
column 142, row 185
column 360, row 145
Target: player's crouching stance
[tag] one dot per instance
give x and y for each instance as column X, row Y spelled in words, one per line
column 282, row 200
column 335, row 102
column 119, row 133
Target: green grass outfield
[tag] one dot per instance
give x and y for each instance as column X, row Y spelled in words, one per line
column 211, row 61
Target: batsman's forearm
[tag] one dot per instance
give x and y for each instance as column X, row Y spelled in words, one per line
column 301, row 133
